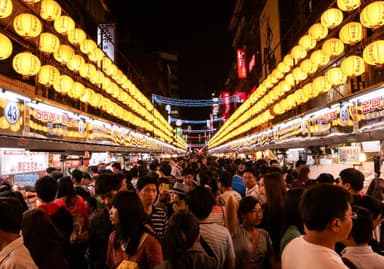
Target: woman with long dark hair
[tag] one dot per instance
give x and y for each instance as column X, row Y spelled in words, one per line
column 181, row 240
column 131, row 241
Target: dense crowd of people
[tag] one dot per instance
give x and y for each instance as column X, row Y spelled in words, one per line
column 195, row 212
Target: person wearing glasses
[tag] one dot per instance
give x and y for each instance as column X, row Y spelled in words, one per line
column 358, row 254
column 327, row 216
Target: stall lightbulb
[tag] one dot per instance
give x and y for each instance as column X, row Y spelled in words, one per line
column 362, row 157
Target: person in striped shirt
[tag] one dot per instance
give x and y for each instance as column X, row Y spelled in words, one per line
column 148, row 189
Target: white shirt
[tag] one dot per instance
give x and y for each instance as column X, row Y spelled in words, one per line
column 363, row 257
column 300, row 254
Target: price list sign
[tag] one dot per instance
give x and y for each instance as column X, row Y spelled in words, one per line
column 18, row 161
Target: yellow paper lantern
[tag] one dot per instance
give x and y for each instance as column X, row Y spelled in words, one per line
column 285, row 86
column 353, row 66
column 50, row 10
column 333, row 47
column 351, row 33
column 372, row 16
column 64, row 54
column 6, row 8
column 290, row 79
column 319, row 58
column 283, row 68
column 318, row 31
column 299, row 74
column 48, row 75
column 26, row 64
column 75, row 63
column 348, row 5
column 106, row 63
column 97, row 78
column 27, row 25
column 331, row 18
column 308, row 66
column 335, row 76
column 48, row 43
column 87, row 46
column 63, row 84
column 300, row 97
column 277, row 74
column 321, row 85
column 87, row 71
column 87, row 97
column 106, row 83
column 77, row 90
column 96, row 55
column 307, row 42
column 76, row 36
column 309, row 91
column 373, row 54
column 298, row 52
column 5, row 47
column 64, row 24
column 288, row 60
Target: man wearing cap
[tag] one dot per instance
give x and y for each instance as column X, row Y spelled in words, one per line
column 178, row 193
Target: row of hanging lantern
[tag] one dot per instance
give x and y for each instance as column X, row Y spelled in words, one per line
column 98, row 71
column 303, row 62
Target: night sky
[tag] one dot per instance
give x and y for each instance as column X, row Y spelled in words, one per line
column 197, row 31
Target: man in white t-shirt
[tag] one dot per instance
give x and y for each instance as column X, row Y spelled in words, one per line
column 327, row 216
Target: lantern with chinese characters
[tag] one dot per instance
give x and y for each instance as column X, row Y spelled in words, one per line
column 308, row 66
column 77, row 90
column 50, row 10
column 283, row 68
column 351, row 33
column 319, row 57
column 298, row 52
column 353, row 66
column 331, row 18
column 333, row 47
column 309, row 91
column 6, row 8
column 321, row 85
column 5, row 47
column 307, row 42
column 26, row 64
column 96, row 55
column 372, row 16
column 76, row 36
column 335, row 76
column 63, row 84
column 373, row 54
column 87, row 96
column 64, row 24
column 48, row 43
column 348, row 5
column 87, row 46
column 318, row 31
column 27, row 25
column 87, row 71
column 75, row 63
column 64, row 54
column 48, row 75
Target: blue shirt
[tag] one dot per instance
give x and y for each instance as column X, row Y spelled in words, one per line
column 238, row 185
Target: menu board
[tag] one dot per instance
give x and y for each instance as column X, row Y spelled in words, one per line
column 17, row 161
column 349, row 155
column 52, row 123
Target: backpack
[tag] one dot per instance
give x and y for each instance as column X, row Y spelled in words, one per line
column 127, row 264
